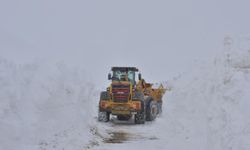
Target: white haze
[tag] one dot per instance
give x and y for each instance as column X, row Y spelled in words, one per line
column 162, row 38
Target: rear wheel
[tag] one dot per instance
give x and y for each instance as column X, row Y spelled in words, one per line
column 103, row 116
column 140, row 116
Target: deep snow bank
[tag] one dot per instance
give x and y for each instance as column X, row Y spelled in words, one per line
column 208, row 107
column 44, row 106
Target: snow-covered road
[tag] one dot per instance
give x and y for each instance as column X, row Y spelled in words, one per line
column 123, row 135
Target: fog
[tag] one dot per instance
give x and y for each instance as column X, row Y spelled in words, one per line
column 161, row 38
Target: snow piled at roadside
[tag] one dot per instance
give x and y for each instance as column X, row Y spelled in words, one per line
column 44, row 106
column 208, row 107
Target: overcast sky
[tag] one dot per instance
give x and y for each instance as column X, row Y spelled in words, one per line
column 161, row 38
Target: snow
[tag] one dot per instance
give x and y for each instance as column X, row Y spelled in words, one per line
column 53, row 106
column 207, row 108
column 44, row 106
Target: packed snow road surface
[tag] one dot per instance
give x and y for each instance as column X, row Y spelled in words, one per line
column 122, row 134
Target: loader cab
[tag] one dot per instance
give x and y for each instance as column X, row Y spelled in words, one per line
column 124, row 74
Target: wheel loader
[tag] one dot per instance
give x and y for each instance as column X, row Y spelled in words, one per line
column 126, row 97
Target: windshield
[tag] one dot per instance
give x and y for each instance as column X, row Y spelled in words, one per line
column 124, row 75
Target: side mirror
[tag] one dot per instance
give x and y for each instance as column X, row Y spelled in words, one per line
column 109, row 76
column 139, row 76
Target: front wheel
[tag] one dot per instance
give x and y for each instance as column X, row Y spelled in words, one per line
column 103, row 116
column 140, row 117
column 151, row 110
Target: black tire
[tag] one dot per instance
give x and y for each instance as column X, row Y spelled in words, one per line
column 159, row 103
column 140, row 117
column 103, row 116
column 151, row 110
